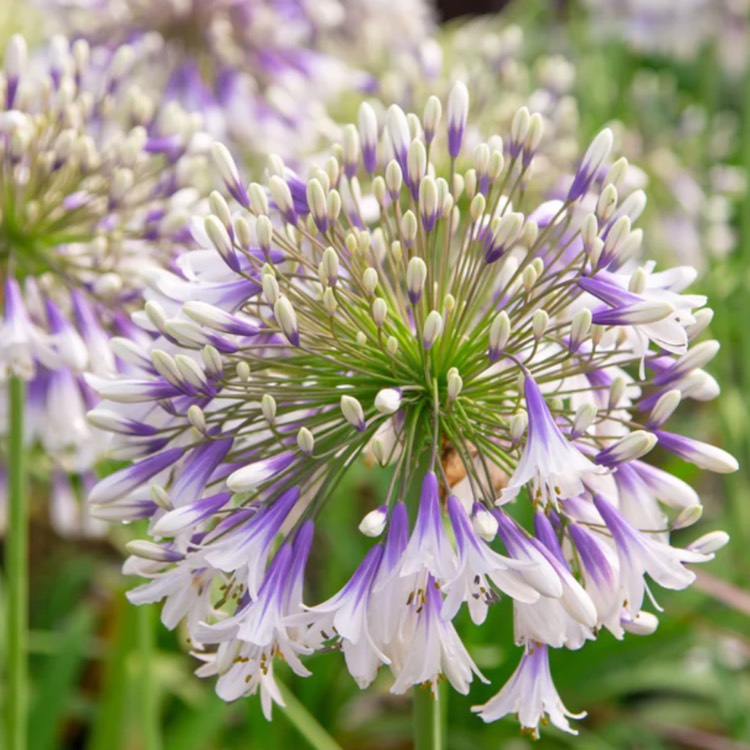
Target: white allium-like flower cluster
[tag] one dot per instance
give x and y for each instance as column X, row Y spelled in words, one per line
column 95, row 181
column 412, row 302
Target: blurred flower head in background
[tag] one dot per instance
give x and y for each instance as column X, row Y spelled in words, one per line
column 262, row 73
column 416, row 301
column 97, row 183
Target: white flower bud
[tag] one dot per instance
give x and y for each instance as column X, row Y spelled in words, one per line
column 457, row 113
column 703, row 318
column 243, row 371
column 212, row 360
column 268, row 408
column 416, row 275
column 161, row 497
column 455, row 384
column 392, row 345
column 499, row 334
column 316, row 200
column 305, row 441
column 228, row 171
column 258, row 199
column 353, row 412
column 373, row 523
column 428, row 202
column 281, row 195
column 518, row 424
column 519, row 126
column 634, row 445
column 329, row 301
column 270, row 288
column 156, row 315
column 287, row 319
column 710, row 543
column 589, row 231
column 617, row 171
column 433, row 110
column 529, row 277
column 485, row 525
column 606, row 204
column 393, row 178
column 191, row 372
column 580, row 326
column 664, row 408
column 219, row 236
column 633, row 206
column 333, row 205
column 584, row 418
column 433, row 327
column 16, row 54
column 617, row 391
column 379, row 311
column 477, row 207
column 370, row 281
column 644, row 623
column 688, row 517
column 539, row 323
column 470, row 183
column 151, row 551
column 534, row 134
column 388, row 400
column 409, row 227
column 416, row 162
column 330, row 265
column 398, row 129
column 350, row 148
column 197, row 418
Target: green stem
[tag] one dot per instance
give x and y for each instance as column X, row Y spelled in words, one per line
column 428, row 725
column 149, row 702
column 17, row 571
column 305, row 723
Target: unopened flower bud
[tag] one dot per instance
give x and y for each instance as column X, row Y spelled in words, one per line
column 197, row 418
column 688, row 517
column 499, row 334
column 484, row 523
column 287, row 319
column 710, row 543
column 433, row 327
column 416, row 275
column 305, row 441
column 644, row 623
column 388, row 400
column 539, row 323
column 664, row 408
column 454, row 384
column 268, row 408
column 353, row 412
column 584, row 418
column 373, row 523
column 379, row 311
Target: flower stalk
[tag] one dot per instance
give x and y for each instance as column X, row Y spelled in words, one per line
column 17, row 571
column 428, row 726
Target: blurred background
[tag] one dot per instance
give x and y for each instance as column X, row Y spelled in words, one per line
column 671, row 78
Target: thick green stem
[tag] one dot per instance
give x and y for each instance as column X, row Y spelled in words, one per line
column 149, row 700
column 17, row 571
column 428, row 724
column 305, row 723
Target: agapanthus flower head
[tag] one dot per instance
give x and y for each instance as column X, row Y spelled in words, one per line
column 412, row 309
column 263, row 73
column 93, row 183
